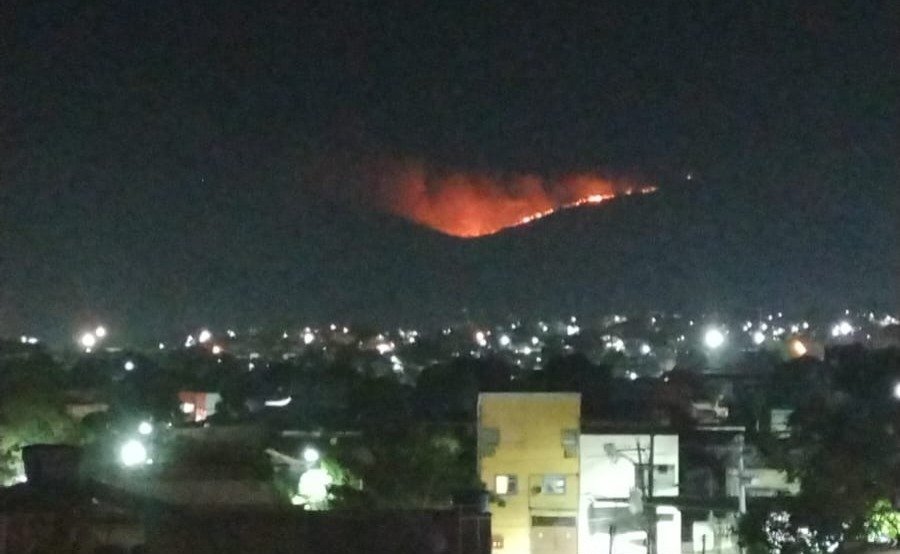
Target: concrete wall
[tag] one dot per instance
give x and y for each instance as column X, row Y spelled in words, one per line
column 610, row 495
column 530, row 430
column 298, row 532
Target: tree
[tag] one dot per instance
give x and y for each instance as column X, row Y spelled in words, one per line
column 843, row 448
column 32, row 409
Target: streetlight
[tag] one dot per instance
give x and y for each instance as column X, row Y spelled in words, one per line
column 897, row 391
column 88, row 340
column 133, row 453
column 714, row 339
column 145, row 428
column 311, row 455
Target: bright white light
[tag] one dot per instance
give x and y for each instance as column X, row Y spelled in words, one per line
column 231, row 334
column 189, row 341
column 311, row 455
column 23, row 339
column 615, row 343
column 713, row 338
column 384, row 347
column 133, row 453
column 645, row 349
column 162, row 346
column 505, row 340
column 100, row 331
column 501, row 484
column 795, row 329
column 759, row 338
column 204, row 336
column 897, row 391
column 188, row 407
column 805, row 325
column 763, row 327
column 842, row 329
column 572, row 330
column 798, row 347
column 313, row 485
column 128, row 365
column 88, row 340
column 279, row 403
column 632, row 376
column 535, row 341
column 526, row 350
column 308, row 337
column 333, row 327
column 32, row 340
column 480, row 339
column 145, row 428
column 216, row 349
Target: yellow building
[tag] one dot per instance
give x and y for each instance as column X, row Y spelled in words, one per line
column 528, row 457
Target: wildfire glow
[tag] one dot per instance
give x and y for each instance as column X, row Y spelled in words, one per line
column 472, row 204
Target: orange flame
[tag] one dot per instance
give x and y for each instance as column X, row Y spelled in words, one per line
column 470, row 204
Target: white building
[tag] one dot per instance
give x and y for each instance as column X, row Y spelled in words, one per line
column 619, row 490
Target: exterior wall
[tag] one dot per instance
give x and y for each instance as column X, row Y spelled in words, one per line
column 531, row 436
column 202, row 404
column 611, row 496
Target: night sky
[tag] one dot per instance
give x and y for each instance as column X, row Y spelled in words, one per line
column 169, row 164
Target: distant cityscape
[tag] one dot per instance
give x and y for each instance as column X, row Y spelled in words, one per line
column 651, row 433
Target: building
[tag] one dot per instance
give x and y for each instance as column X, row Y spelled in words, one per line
column 528, row 458
column 629, row 485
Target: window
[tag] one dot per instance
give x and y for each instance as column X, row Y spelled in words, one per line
column 497, row 542
column 506, row 484
column 554, row 484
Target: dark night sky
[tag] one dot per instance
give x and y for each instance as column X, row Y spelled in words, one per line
column 155, row 156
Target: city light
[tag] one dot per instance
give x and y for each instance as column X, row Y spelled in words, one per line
column 279, row 403
column 572, row 329
column 758, row 338
column 308, row 337
column 798, row 348
column 100, row 331
column 480, row 339
column 145, row 428
column 505, row 340
column 897, row 391
column 713, row 339
column 842, row 329
column 133, row 453
column 216, row 349
column 188, row 407
column 384, row 347
column 88, row 340
column 311, row 455
column 645, row 349
column 204, row 336
column 128, row 365
column 313, row 485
